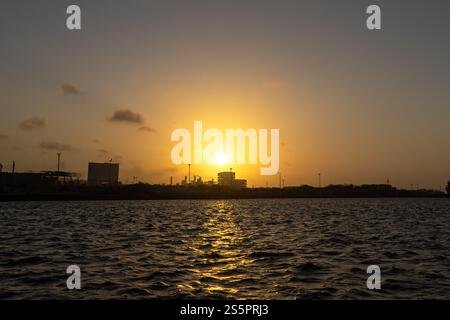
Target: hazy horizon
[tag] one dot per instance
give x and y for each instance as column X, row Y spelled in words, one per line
column 355, row 105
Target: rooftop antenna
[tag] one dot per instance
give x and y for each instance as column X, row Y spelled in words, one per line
column 59, row 159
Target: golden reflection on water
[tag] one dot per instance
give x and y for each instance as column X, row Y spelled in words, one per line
column 219, row 252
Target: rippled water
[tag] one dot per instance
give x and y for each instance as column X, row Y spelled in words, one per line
column 265, row 249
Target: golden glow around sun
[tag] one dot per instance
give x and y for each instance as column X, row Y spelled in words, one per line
column 220, row 158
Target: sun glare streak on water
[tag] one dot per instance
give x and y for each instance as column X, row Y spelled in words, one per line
column 220, row 246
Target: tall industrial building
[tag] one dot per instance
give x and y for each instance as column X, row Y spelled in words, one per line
column 103, row 173
column 228, row 178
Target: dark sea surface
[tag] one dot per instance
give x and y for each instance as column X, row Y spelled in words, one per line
column 239, row 249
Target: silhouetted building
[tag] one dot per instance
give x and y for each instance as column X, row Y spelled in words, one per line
column 198, row 181
column 103, row 173
column 448, row 188
column 228, row 178
column 27, row 180
column 240, row 183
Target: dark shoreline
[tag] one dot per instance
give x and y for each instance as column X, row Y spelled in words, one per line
column 74, row 197
column 71, row 192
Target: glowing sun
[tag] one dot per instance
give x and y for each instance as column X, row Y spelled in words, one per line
column 220, row 158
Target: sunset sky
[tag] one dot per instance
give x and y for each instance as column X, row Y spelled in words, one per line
column 358, row 106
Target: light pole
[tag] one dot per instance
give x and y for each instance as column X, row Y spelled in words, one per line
column 59, row 159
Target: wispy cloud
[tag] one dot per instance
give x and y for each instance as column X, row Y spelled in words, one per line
column 127, row 116
column 3, row 136
column 32, row 124
column 147, row 129
column 103, row 151
column 55, row 146
column 68, row 88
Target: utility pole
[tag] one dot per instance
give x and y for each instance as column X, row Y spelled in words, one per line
column 320, row 180
column 59, row 159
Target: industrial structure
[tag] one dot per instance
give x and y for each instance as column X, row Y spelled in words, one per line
column 44, row 180
column 228, row 178
column 103, row 173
